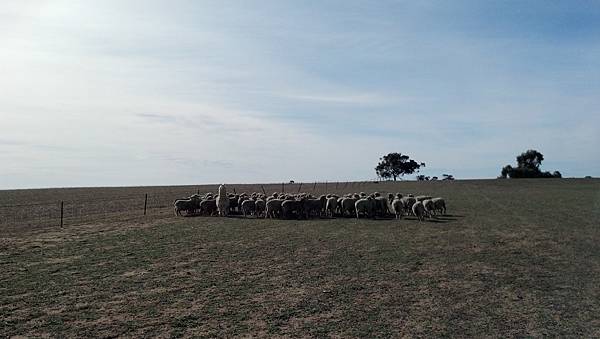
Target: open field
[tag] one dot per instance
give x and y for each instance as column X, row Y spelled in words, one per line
column 511, row 258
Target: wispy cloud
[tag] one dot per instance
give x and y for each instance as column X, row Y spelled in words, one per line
column 105, row 93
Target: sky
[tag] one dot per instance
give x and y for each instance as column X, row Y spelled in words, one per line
column 128, row 93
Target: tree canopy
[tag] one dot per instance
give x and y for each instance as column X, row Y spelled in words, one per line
column 528, row 166
column 395, row 165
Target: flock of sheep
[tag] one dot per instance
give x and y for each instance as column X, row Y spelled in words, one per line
column 302, row 205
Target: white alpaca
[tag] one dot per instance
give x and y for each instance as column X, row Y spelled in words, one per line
column 223, row 201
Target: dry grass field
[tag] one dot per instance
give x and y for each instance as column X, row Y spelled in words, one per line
column 511, row 258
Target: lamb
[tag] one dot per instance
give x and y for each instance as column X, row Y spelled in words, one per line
column 248, row 207
column 419, row 210
column 274, row 208
column 365, row 206
column 331, row 206
column 261, row 207
column 223, row 201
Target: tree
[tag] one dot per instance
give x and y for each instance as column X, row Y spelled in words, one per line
column 530, row 159
column 394, row 165
column 422, row 177
column 528, row 166
column 448, row 177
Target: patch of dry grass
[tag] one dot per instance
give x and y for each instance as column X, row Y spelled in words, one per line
column 513, row 258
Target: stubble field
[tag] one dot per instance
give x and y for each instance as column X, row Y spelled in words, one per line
column 511, row 258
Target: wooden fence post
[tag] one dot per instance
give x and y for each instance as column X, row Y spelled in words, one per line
column 145, row 202
column 62, row 209
column 263, row 189
column 299, row 188
column 282, row 188
column 314, row 186
column 325, row 187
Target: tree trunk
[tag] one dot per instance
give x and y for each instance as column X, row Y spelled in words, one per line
column 394, row 178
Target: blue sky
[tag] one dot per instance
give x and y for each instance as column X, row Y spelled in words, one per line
column 111, row 93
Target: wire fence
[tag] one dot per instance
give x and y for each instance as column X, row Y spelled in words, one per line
column 85, row 208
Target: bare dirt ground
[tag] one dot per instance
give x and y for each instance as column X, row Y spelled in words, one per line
column 511, row 258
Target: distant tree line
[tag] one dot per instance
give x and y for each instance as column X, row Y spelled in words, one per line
column 422, row 177
column 528, row 166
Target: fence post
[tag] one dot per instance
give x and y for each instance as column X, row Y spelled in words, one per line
column 325, row 187
column 300, row 187
column 61, row 212
column 234, row 192
column 282, row 188
column 145, row 202
column 314, row 186
column 263, row 189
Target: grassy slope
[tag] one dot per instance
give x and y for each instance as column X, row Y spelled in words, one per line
column 515, row 258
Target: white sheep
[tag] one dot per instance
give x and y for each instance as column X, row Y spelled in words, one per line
column 274, row 208
column 365, row 206
column 398, row 207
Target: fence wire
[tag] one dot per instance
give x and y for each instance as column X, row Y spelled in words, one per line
column 77, row 211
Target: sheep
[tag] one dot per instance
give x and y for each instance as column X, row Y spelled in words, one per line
column 365, row 206
column 419, row 210
column 439, row 205
column 381, row 206
column 408, row 202
column 323, row 201
column 222, row 201
column 208, row 207
column 187, row 205
column 233, row 203
column 429, row 209
column 331, row 207
column 398, row 208
column 348, row 205
column 312, row 207
column 248, row 207
column 291, row 207
column 422, row 197
column 261, row 207
column 274, row 208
